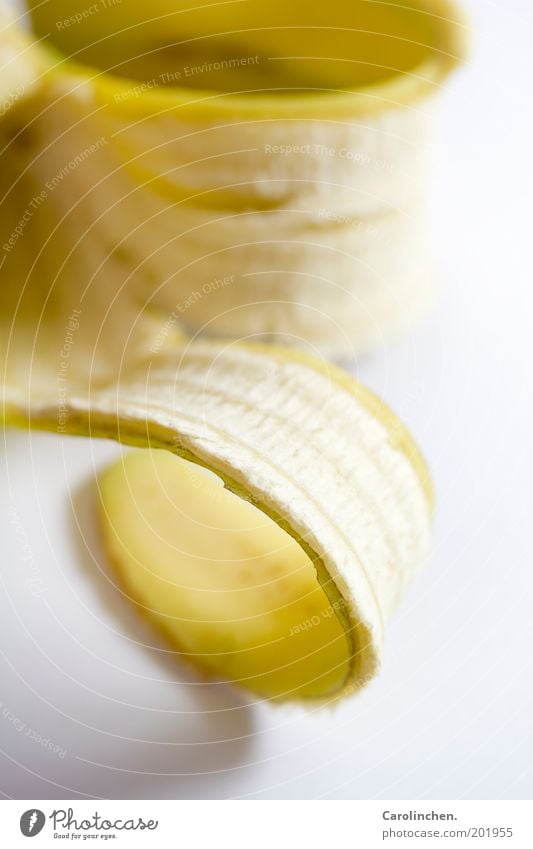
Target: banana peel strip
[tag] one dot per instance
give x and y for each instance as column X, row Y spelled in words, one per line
column 310, row 208
column 302, row 441
column 297, row 437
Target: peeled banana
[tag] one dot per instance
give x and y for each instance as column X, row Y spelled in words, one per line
column 314, row 451
column 281, row 508
column 280, row 146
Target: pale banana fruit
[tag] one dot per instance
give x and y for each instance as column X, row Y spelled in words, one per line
column 297, row 182
column 306, row 444
column 92, row 342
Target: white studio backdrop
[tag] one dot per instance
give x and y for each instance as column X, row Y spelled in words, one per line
column 93, row 706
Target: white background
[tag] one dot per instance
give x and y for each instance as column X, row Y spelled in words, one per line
column 451, row 714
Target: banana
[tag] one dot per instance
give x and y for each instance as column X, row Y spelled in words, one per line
column 314, row 451
column 136, row 215
column 196, row 148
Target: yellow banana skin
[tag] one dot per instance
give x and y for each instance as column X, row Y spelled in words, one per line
column 132, row 218
column 321, row 456
column 309, row 198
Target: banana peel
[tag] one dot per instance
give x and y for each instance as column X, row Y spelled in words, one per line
column 306, row 188
column 96, row 317
column 315, row 452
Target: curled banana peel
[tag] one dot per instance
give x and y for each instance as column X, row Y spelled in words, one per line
column 278, row 509
column 292, row 603
column 260, row 168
